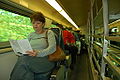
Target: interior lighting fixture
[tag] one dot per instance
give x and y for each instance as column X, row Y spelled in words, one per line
column 56, row 6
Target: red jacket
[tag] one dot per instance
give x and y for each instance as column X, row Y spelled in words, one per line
column 68, row 37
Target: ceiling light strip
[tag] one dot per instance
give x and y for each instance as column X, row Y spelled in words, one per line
column 55, row 5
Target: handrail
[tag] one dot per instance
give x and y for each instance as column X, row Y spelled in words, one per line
column 4, row 44
column 114, row 49
column 115, row 54
column 113, row 38
column 98, row 44
column 96, row 48
column 114, row 59
column 109, row 59
column 98, row 36
column 114, row 46
column 114, row 68
column 5, row 47
column 91, row 66
column 96, row 62
column 5, row 50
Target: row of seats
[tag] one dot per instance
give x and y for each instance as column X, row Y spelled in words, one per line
column 62, row 71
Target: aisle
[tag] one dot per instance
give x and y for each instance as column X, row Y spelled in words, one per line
column 80, row 71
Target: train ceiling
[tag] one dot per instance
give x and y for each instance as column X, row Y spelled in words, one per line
column 76, row 9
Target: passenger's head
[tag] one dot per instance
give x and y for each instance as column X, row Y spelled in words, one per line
column 60, row 26
column 38, row 16
column 38, row 21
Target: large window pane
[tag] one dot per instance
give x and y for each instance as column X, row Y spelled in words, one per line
column 13, row 26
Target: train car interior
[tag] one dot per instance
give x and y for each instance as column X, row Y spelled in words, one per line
column 95, row 25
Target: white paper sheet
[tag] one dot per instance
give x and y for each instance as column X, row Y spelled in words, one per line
column 20, row 46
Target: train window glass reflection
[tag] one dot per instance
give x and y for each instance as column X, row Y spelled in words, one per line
column 13, row 26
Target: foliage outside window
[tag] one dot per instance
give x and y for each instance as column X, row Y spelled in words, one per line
column 13, row 26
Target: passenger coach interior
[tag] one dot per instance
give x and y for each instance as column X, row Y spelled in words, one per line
column 96, row 21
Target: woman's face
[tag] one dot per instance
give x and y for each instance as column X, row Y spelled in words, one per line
column 37, row 25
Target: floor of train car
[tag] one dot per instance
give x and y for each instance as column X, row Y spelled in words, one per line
column 80, row 71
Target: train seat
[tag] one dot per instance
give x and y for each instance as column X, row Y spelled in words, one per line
column 61, row 71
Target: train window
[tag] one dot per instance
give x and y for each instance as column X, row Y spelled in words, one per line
column 52, row 26
column 13, row 26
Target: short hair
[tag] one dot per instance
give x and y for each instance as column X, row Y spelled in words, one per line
column 60, row 26
column 38, row 16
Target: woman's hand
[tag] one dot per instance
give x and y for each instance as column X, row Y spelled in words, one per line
column 32, row 53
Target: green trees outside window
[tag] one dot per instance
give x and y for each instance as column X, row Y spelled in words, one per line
column 13, row 26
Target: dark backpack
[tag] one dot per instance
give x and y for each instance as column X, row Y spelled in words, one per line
column 58, row 37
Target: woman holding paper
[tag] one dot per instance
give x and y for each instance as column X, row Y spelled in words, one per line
column 36, row 66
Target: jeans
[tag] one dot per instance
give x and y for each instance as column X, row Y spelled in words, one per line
column 42, row 76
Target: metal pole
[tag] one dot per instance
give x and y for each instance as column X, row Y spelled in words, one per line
column 92, row 26
column 91, row 39
column 89, row 49
column 106, row 30
column 88, row 27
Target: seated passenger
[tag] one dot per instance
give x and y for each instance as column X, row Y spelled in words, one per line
column 36, row 66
